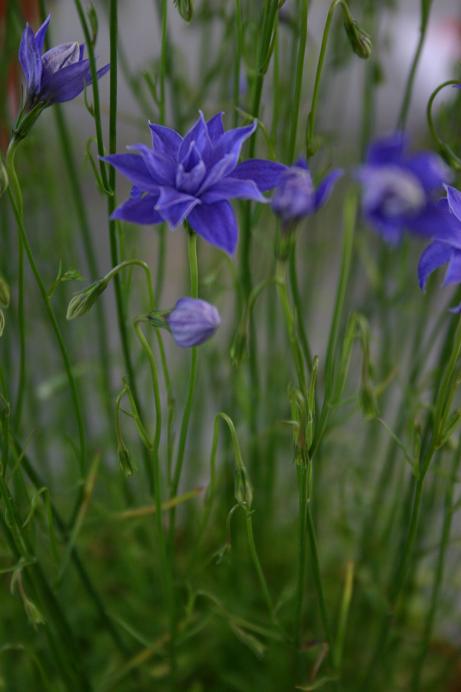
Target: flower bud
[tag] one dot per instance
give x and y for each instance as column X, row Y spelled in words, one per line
column 2, row 322
column 358, row 38
column 185, row 9
column 4, row 293
column 81, row 302
column 192, row 321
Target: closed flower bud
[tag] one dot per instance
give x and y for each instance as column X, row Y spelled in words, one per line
column 2, row 322
column 192, row 321
column 83, row 301
column 185, row 9
column 358, row 38
column 4, row 293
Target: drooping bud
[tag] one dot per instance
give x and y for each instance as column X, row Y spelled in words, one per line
column 192, row 321
column 185, row 9
column 358, row 38
column 124, row 460
column 81, row 302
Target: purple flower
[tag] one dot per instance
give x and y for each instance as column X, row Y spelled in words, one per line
column 400, row 190
column 296, row 197
column 446, row 248
column 194, row 177
column 193, row 321
column 59, row 75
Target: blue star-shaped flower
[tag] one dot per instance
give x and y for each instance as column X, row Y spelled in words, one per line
column 446, row 246
column 193, row 178
column 59, row 75
column 400, row 190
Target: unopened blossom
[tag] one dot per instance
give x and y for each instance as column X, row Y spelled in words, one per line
column 192, row 321
column 56, row 75
column 296, row 196
column 445, row 249
column 401, row 190
column 193, row 178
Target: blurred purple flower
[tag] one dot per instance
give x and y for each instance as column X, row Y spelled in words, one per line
column 193, row 321
column 59, row 75
column 446, row 250
column 193, row 178
column 400, row 190
column 296, row 197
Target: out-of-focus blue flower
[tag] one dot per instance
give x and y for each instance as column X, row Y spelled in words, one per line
column 59, row 75
column 296, row 196
column 194, row 177
column 445, row 249
column 401, row 190
column 193, row 321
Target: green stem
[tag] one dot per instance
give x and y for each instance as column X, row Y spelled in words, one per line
column 193, row 269
column 295, row 106
column 439, row 572
column 426, row 6
column 22, row 332
column 301, row 469
column 258, row 566
column 16, row 200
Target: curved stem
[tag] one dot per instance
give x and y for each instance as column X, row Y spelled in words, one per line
column 445, row 150
column 16, row 200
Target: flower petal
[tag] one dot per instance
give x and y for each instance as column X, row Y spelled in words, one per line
column 453, row 273
column 215, row 127
column 430, row 170
column 434, row 256
column 233, row 188
column 40, row 34
column 66, row 84
column 138, row 210
column 231, row 142
column 162, row 169
column 325, row 188
column 60, row 56
column 216, row 223
column 134, row 168
column 31, row 61
column 165, row 140
column 454, row 201
column 198, row 133
column 265, row 174
column 388, row 149
column 174, row 206
column 436, row 220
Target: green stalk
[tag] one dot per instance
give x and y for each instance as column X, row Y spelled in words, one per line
column 439, row 572
column 16, row 201
column 193, row 269
column 156, row 490
column 426, row 6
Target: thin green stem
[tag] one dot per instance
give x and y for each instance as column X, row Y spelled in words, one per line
column 295, row 106
column 426, row 6
column 193, row 269
column 16, row 200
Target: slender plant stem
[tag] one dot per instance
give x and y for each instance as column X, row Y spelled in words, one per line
column 439, row 572
column 193, row 269
column 426, row 6
column 16, row 200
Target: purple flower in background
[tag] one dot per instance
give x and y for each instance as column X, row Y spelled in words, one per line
column 193, row 178
column 193, row 321
column 296, row 196
column 400, row 190
column 446, row 249
column 59, row 75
